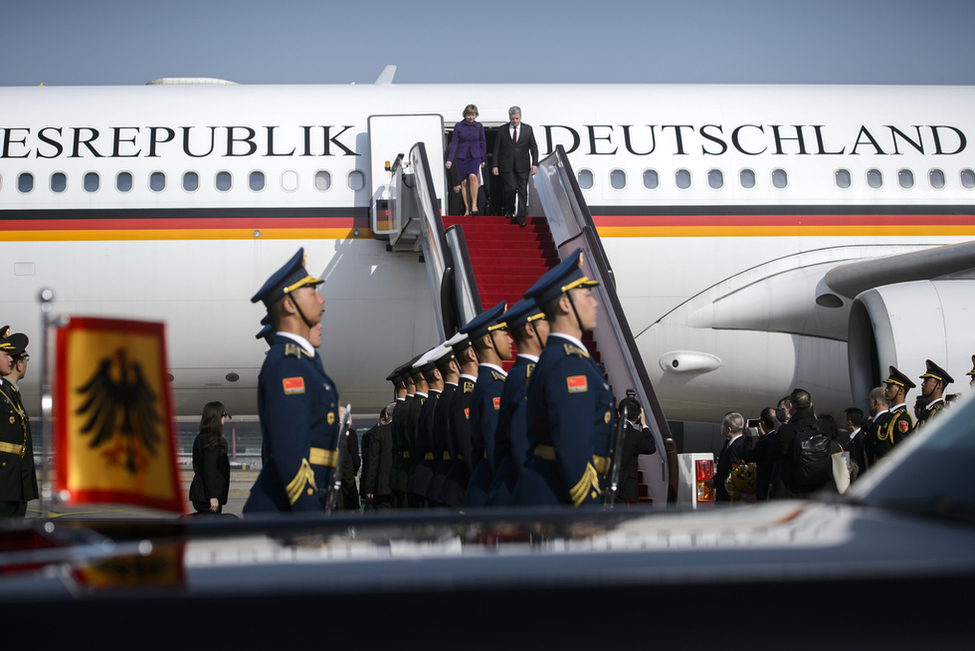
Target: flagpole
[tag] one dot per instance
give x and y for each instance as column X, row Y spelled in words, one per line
column 47, row 403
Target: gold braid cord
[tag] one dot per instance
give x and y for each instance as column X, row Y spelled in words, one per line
column 305, row 476
column 589, row 480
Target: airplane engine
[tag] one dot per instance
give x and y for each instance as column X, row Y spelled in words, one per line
column 904, row 324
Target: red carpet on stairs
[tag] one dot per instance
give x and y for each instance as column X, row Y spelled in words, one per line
column 507, row 259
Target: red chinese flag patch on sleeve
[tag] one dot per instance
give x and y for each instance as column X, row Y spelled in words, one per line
column 577, row 383
column 903, row 426
column 467, row 413
column 497, row 403
column 293, row 385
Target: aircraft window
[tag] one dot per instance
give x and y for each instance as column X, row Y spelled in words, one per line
column 874, row 178
column 617, row 179
column 25, row 182
column 191, row 181
column 123, row 182
column 157, row 181
column 58, row 182
column 323, row 180
column 224, row 181
column 289, row 180
column 91, row 182
column 780, row 178
column 357, row 180
column 937, row 178
column 650, row 179
column 747, row 179
column 256, row 181
column 683, row 179
column 843, row 179
column 968, row 179
column 906, row 179
column 585, row 179
column 715, row 179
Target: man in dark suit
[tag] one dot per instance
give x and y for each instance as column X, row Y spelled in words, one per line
column 637, row 440
column 515, row 155
column 732, row 425
column 378, row 463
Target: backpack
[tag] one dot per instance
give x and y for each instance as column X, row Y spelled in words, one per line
column 812, row 463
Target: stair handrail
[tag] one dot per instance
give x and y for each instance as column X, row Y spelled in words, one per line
column 442, row 250
column 572, row 227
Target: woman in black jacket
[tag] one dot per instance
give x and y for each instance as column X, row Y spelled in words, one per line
column 211, row 467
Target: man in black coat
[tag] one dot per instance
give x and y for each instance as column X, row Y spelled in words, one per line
column 802, row 422
column 376, row 468
column 515, row 156
column 732, row 426
column 637, row 440
column 760, row 451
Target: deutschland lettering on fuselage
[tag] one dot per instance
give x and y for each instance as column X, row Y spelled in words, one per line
column 590, row 139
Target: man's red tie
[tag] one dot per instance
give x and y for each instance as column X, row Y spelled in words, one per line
column 514, row 136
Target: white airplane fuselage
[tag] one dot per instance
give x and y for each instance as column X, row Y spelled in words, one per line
column 722, row 276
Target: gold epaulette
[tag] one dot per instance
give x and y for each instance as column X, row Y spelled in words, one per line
column 468, row 386
column 528, row 370
column 590, row 480
column 572, row 349
column 304, row 477
column 498, row 376
column 294, row 350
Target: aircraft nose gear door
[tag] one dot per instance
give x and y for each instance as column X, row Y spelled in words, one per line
column 390, row 139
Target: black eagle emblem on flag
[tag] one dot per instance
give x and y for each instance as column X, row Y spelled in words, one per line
column 122, row 413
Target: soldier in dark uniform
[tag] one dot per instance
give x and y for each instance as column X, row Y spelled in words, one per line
column 935, row 380
column 412, row 422
column 570, row 405
column 442, row 448
column 528, row 326
column 971, row 374
column 18, row 479
column 454, row 490
column 426, row 463
column 401, row 454
column 889, row 431
column 489, row 336
column 297, row 402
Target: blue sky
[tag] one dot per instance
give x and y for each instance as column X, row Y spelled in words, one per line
column 70, row 42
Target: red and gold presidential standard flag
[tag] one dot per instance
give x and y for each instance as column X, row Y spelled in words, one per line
column 113, row 421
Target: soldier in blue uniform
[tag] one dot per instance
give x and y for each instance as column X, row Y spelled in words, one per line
column 528, row 326
column 297, row 402
column 935, row 380
column 489, row 337
column 570, row 405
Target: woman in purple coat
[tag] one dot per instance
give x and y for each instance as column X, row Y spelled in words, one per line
column 468, row 148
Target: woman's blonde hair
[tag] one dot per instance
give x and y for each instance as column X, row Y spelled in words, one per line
column 470, row 108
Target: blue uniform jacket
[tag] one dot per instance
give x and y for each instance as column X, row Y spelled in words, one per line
column 298, row 406
column 570, row 428
column 485, row 406
column 511, row 438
